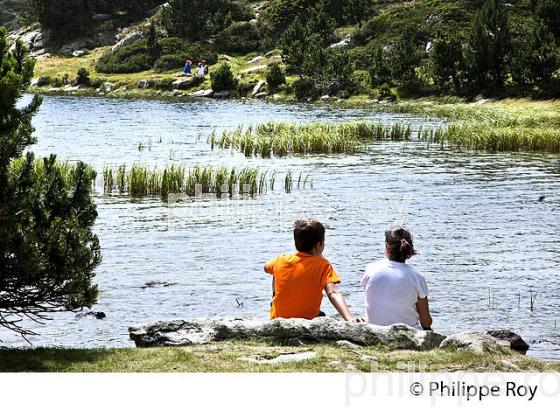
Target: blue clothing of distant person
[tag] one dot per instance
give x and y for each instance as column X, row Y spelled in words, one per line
column 187, row 68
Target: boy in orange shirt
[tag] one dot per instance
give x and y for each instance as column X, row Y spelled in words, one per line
column 299, row 280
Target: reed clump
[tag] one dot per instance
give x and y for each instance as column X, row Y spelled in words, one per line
column 281, row 139
column 140, row 180
column 492, row 137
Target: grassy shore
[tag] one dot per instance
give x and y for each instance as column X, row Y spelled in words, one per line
column 231, row 357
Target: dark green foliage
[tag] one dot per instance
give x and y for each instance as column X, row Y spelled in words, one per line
column 337, row 73
column 244, row 87
column 65, row 18
column 379, row 72
column 535, row 56
column 356, row 11
column 223, row 79
column 240, row 37
column 153, row 48
column 306, row 88
column 198, row 19
column 48, row 252
column 294, row 45
column 403, row 58
column 275, row 77
column 446, row 59
column 128, row 59
column 489, row 44
column 549, row 11
column 82, row 77
column 385, row 92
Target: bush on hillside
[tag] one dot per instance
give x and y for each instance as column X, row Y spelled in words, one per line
column 275, row 77
column 240, row 37
column 128, row 59
column 223, row 79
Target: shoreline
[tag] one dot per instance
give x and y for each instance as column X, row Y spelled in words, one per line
column 258, row 356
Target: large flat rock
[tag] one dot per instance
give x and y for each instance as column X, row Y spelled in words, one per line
column 200, row 331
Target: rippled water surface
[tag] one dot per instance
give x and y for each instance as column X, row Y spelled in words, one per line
column 485, row 242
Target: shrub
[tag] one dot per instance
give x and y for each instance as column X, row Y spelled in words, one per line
column 82, row 77
column 306, row 88
column 275, row 77
column 223, row 79
column 244, row 87
column 197, row 19
column 239, row 37
column 128, row 59
column 386, row 92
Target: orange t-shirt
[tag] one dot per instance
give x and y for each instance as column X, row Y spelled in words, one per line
column 298, row 284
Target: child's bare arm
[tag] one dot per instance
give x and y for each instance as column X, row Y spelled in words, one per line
column 337, row 300
column 424, row 313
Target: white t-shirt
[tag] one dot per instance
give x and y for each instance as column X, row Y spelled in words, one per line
column 391, row 292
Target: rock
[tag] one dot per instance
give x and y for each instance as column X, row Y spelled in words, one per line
column 283, row 358
column 271, row 53
column 158, row 283
column 130, row 38
column 176, row 93
column 510, row 366
column 515, row 341
column 68, row 49
column 477, row 342
column 345, row 42
column 182, row 83
column 348, row 345
column 257, row 87
column 97, row 315
column 203, row 93
column 80, row 53
column 41, row 40
column 429, row 46
column 221, row 94
column 145, row 83
column 108, row 87
column 296, row 341
column 367, row 358
column 199, row 331
column 255, row 60
column 261, row 95
column 325, row 97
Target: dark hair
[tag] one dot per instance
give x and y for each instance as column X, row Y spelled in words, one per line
column 307, row 234
column 399, row 244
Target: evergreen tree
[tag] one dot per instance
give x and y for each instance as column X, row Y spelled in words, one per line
column 446, row 58
column 153, row 48
column 489, row 45
column 535, row 56
column 294, row 45
column 549, row 11
column 403, row 59
column 378, row 71
column 47, row 250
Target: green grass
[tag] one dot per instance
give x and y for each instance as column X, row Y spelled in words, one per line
column 228, row 357
column 281, row 139
column 481, row 135
column 140, row 180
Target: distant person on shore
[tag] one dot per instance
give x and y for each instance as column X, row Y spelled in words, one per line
column 187, row 68
column 396, row 292
column 200, row 70
column 299, row 279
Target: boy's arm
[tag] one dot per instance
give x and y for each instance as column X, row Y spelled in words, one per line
column 337, row 300
column 424, row 313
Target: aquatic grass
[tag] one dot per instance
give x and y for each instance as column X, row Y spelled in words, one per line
column 489, row 136
column 140, row 180
column 281, row 139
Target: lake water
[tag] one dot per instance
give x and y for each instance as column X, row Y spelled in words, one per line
column 485, row 241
